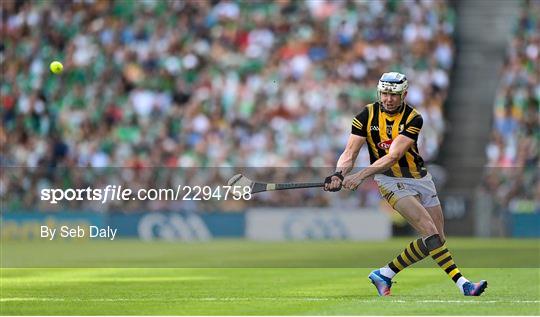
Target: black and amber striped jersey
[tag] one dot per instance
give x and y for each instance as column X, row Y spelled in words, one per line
column 380, row 128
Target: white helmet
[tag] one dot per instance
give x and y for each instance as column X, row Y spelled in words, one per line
column 393, row 82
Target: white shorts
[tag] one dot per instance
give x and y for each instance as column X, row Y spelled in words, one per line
column 394, row 188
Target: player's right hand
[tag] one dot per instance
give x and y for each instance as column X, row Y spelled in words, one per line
column 333, row 182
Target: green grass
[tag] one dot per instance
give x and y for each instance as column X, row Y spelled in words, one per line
column 261, row 290
column 494, row 253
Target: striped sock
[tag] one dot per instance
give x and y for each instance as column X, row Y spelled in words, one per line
column 439, row 252
column 414, row 252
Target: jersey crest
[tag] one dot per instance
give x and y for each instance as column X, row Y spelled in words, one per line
column 384, row 145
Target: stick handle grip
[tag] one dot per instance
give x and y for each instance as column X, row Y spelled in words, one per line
column 297, row 185
column 263, row 187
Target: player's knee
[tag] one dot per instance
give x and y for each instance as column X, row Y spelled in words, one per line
column 428, row 227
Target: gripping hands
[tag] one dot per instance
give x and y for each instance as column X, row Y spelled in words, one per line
column 333, row 182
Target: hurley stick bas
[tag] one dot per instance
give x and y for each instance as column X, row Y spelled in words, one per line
column 257, row 187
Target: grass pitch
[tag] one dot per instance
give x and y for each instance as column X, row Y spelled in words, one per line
column 263, row 290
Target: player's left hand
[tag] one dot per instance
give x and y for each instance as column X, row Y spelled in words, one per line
column 353, row 181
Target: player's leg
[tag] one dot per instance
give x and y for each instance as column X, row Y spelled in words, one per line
column 437, row 216
column 435, row 242
column 442, row 256
column 411, row 209
column 416, row 250
column 420, row 218
column 429, row 222
column 430, row 200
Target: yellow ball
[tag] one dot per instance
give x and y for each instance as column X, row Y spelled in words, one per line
column 56, row 67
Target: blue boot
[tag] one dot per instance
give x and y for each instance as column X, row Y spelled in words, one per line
column 474, row 289
column 381, row 282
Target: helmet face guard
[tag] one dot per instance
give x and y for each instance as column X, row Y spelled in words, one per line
column 393, row 83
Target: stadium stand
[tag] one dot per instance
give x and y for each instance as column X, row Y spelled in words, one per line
column 512, row 169
column 207, row 84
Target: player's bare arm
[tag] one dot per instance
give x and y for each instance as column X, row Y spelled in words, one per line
column 398, row 148
column 346, row 161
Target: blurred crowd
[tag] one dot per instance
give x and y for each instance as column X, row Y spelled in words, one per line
column 187, row 84
column 513, row 152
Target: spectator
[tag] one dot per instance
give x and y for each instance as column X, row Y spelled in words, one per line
column 513, row 153
column 204, row 84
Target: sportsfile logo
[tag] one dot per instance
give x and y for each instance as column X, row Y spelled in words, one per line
column 120, row 193
column 385, row 145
